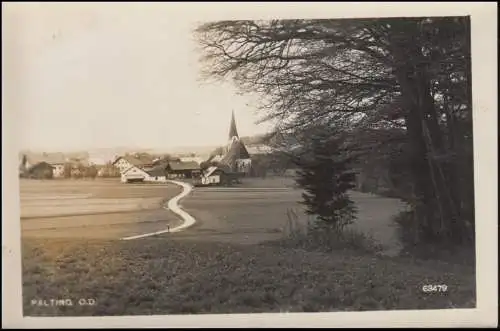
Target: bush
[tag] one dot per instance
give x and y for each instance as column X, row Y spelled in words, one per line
column 312, row 234
column 408, row 230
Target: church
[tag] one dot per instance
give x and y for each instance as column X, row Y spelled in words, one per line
column 234, row 157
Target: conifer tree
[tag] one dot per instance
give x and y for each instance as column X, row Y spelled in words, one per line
column 325, row 175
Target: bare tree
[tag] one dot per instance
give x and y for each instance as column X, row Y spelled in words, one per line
column 383, row 74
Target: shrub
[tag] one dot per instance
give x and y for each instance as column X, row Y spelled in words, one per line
column 409, row 232
column 311, row 234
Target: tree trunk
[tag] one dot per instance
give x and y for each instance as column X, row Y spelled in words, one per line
column 432, row 205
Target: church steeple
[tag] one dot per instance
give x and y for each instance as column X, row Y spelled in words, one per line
column 232, row 129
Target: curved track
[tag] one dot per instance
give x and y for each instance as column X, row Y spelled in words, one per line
column 173, row 206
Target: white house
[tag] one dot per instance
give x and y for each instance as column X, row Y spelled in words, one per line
column 136, row 174
column 133, row 174
column 124, row 163
column 211, row 176
column 58, row 169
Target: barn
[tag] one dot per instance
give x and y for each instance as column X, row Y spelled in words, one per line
column 179, row 169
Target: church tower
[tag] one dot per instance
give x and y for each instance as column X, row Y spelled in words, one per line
column 236, row 155
column 233, row 132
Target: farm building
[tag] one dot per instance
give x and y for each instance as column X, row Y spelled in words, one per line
column 157, row 174
column 218, row 175
column 56, row 161
column 140, row 168
column 41, row 170
column 179, row 169
column 135, row 174
column 123, row 163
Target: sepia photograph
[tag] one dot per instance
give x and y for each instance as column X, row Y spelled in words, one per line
column 169, row 163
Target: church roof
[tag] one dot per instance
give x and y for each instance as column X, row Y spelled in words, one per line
column 237, row 150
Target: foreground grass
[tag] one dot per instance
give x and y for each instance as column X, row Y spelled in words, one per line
column 166, row 276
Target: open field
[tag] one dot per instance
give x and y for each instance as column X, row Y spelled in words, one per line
column 93, row 208
column 158, row 276
column 256, row 211
column 228, row 262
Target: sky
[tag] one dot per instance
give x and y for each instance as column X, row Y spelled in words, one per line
column 97, row 76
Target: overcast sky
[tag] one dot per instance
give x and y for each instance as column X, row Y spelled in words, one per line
column 104, row 76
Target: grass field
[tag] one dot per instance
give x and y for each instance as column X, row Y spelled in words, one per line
column 231, row 261
column 93, row 208
column 171, row 276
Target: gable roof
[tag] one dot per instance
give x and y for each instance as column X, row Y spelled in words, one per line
column 158, row 171
column 53, row 158
column 237, row 150
column 210, row 170
column 134, row 168
column 40, row 165
column 138, row 161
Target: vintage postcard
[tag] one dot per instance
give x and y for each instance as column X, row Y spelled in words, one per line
column 249, row 164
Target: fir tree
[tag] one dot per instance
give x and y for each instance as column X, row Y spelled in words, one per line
column 325, row 175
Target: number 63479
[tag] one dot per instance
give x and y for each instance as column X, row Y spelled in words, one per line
column 434, row 288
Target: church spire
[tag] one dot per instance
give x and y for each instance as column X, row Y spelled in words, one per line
column 232, row 130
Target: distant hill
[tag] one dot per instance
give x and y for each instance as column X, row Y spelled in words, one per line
column 103, row 155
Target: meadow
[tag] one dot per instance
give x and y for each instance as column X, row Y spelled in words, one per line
column 93, row 208
column 240, row 257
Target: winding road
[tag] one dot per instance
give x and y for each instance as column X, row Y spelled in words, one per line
column 173, row 206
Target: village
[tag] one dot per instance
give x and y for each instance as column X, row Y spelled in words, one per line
column 223, row 166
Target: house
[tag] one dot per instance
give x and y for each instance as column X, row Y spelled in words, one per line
column 136, row 174
column 157, row 174
column 140, row 168
column 140, row 161
column 56, row 161
column 41, row 170
column 179, row 169
column 217, row 175
column 133, row 174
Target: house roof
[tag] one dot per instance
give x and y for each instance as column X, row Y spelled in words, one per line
column 177, row 165
column 55, row 158
column 40, row 165
column 157, row 171
column 33, row 160
column 212, row 169
column 237, row 150
column 134, row 168
column 137, row 161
